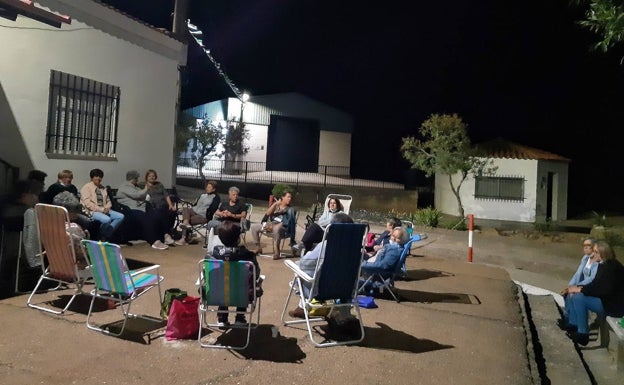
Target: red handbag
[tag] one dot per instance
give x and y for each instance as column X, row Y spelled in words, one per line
column 183, row 321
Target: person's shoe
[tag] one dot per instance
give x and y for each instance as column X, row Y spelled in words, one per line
column 277, row 256
column 240, row 319
column 565, row 326
column 222, row 322
column 297, row 313
column 580, row 338
column 158, row 245
column 181, row 242
column 258, row 251
column 184, row 226
column 169, row 240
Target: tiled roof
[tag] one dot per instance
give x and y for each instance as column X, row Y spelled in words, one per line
column 501, row 148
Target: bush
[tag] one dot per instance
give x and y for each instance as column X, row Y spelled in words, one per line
column 427, row 217
column 279, row 190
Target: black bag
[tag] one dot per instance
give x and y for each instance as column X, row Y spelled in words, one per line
column 170, row 295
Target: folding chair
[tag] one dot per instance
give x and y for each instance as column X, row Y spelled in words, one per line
column 115, row 282
column 335, row 280
column 282, row 234
column 344, row 199
column 56, row 245
column 246, row 223
column 373, row 278
column 231, row 284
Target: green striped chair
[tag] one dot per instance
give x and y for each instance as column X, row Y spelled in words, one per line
column 231, row 284
column 115, row 282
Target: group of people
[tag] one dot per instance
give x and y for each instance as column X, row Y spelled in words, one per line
column 596, row 286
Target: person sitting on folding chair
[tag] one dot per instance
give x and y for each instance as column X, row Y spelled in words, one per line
column 341, row 319
column 279, row 219
column 385, row 260
column 314, row 232
column 384, row 237
column 233, row 210
column 229, row 233
column 203, row 210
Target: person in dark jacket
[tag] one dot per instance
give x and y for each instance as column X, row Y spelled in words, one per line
column 604, row 295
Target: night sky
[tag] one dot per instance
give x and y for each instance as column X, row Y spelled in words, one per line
column 523, row 71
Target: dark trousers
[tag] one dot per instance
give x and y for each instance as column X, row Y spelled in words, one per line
column 313, row 234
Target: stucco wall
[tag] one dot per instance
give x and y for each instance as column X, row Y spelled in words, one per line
column 149, row 90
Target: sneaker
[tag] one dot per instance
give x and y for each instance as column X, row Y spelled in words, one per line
column 158, row 245
column 297, row 246
column 184, row 226
column 222, row 322
column 169, row 240
column 240, row 319
column 181, row 242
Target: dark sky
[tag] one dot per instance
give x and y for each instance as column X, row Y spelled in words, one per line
column 523, row 71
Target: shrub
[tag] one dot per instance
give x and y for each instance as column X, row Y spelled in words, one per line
column 279, row 190
column 427, row 217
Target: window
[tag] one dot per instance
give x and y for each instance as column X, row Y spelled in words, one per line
column 507, row 188
column 82, row 117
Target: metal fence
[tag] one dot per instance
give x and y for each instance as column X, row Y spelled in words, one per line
column 256, row 172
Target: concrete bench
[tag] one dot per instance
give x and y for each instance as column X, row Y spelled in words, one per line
column 612, row 338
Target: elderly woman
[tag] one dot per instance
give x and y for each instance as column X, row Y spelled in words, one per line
column 162, row 201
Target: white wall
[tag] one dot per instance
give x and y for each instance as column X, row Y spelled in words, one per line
column 335, row 148
column 522, row 211
column 148, row 83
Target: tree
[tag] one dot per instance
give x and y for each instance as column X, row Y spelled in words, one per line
column 234, row 145
column 606, row 18
column 183, row 131
column 206, row 136
column 445, row 148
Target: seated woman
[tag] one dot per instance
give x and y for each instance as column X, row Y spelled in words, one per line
column 386, row 259
column 314, row 233
column 604, row 295
column 160, row 200
column 203, row 210
column 77, row 233
column 384, row 237
column 229, row 233
column 153, row 224
column 279, row 219
column 97, row 204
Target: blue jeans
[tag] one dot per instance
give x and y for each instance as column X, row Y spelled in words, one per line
column 580, row 305
column 108, row 222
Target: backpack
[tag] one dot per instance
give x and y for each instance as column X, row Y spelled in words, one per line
column 370, row 239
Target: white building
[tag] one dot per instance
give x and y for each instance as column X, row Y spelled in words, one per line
column 530, row 185
column 100, row 91
column 288, row 131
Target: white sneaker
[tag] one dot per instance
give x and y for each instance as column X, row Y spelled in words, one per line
column 168, row 239
column 181, row 242
column 158, row 245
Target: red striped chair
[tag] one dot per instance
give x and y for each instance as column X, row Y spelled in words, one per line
column 115, row 282
column 56, row 245
column 228, row 284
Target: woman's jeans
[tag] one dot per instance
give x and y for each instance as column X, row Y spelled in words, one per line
column 108, row 222
column 580, row 304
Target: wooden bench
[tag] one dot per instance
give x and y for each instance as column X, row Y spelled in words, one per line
column 612, row 338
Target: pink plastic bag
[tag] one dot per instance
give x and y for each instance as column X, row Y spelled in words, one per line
column 183, row 321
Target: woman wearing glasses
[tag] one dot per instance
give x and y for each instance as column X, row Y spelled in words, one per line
column 584, row 274
column 604, row 295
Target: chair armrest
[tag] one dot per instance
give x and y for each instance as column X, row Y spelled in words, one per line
column 143, row 270
column 295, row 268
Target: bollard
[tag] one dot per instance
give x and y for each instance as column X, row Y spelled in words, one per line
column 470, row 230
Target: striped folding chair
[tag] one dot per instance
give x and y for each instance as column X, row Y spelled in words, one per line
column 115, row 282
column 230, row 284
column 56, row 245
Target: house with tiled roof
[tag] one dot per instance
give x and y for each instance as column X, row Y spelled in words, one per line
column 83, row 86
column 529, row 185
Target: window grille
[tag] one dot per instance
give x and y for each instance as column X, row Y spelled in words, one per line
column 82, row 117
column 506, row 188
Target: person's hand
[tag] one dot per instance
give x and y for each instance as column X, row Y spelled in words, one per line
column 106, row 210
column 172, row 207
column 574, row 289
column 376, row 247
column 564, row 291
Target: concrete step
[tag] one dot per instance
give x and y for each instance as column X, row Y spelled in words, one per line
column 562, row 361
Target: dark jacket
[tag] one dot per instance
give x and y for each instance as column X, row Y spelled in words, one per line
column 608, row 285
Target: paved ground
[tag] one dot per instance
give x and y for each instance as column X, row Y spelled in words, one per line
column 458, row 322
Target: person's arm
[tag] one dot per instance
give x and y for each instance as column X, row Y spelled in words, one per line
column 324, row 219
column 214, row 205
column 604, row 282
column 593, row 268
column 88, row 199
column 131, row 192
column 577, row 275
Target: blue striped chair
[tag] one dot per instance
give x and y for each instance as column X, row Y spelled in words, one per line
column 228, row 284
column 115, row 282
